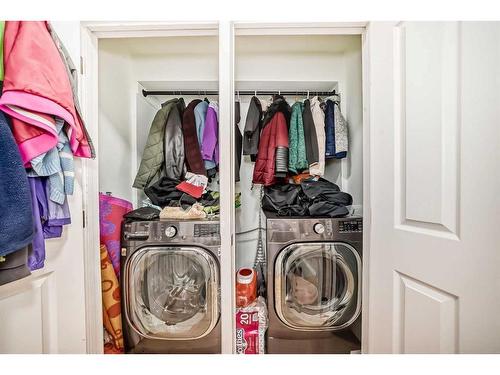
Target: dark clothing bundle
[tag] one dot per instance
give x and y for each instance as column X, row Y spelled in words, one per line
column 164, row 193
column 318, row 198
column 142, row 214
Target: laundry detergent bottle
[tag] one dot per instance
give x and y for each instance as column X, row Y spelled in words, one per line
column 246, row 287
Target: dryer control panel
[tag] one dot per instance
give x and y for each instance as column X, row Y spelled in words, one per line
column 351, row 226
column 206, row 230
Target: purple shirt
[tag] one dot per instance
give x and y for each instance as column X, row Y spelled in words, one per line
column 210, row 143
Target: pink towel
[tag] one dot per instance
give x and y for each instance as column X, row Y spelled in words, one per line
column 111, row 211
column 36, row 88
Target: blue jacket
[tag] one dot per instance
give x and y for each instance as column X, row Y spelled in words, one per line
column 16, row 216
column 333, row 115
column 329, row 130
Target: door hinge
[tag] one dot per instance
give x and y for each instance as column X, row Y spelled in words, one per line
column 81, row 65
column 84, row 218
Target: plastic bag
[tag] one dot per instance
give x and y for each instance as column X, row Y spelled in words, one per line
column 251, row 327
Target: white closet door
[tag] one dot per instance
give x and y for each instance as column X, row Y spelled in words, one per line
column 45, row 313
column 434, row 279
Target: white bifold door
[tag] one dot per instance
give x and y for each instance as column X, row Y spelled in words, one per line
column 434, row 261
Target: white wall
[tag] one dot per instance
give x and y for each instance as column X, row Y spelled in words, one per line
column 308, row 62
column 127, row 65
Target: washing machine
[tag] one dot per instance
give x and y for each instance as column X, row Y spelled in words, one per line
column 314, row 284
column 170, row 274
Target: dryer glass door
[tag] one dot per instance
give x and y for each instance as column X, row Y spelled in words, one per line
column 317, row 286
column 172, row 292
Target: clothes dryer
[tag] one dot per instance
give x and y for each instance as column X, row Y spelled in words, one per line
column 314, row 268
column 170, row 286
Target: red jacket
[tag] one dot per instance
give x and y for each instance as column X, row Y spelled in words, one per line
column 274, row 135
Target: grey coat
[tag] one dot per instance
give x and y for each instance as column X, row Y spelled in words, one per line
column 253, row 123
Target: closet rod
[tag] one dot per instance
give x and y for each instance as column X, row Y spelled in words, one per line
column 242, row 92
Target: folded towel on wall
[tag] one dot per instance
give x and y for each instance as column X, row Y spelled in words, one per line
column 36, row 89
column 111, row 305
column 16, row 218
column 111, row 211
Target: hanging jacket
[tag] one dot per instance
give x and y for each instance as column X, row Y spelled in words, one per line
column 16, row 216
column 192, row 150
column 341, row 133
column 210, row 144
column 58, row 165
column 238, row 141
column 200, row 112
column 310, row 135
column 72, row 73
column 272, row 158
column 297, row 160
column 253, row 123
column 152, row 168
column 173, row 145
column 36, row 89
column 329, row 130
column 319, row 124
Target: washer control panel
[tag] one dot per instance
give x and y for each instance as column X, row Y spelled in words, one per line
column 351, row 226
column 206, row 230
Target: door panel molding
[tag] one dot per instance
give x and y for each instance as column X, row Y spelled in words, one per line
column 427, row 129
column 425, row 317
column 41, row 313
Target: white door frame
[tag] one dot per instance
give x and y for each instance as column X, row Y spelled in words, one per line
column 91, row 32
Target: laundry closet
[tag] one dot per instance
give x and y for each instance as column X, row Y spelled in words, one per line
column 157, row 260
column 137, row 77
column 310, row 264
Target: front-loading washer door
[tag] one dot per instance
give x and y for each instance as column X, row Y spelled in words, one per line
column 317, row 286
column 172, row 292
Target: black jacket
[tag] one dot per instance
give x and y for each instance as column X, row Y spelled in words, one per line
column 253, row 124
column 312, row 153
